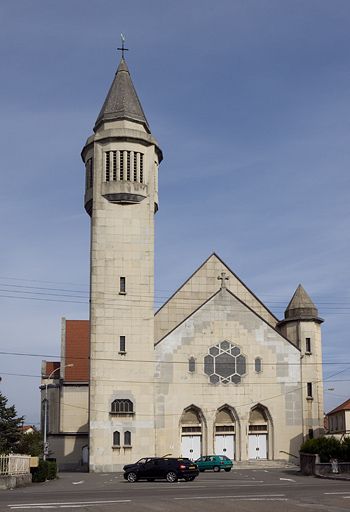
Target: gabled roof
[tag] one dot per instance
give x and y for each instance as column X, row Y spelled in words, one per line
column 199, row 287
column 238, row 301
column 301, row 306
column 342, row 407
column 122, row 101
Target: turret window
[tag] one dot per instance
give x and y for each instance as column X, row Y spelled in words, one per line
column 308, row 345
column 107, row 167
column 258, row 365
column 123, row 166
column 141, row 167
column 89, row 173
column 309, row 390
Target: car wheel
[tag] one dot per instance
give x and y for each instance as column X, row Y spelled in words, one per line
column 150, row 479
column 171, row 477
column 216, row 469
column 191, row 478
column 132, row 477
column 227, row 470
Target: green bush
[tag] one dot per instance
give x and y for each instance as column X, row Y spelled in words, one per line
column 40, row 474
column 345, row 449
column 328, row 448
column 52, row 470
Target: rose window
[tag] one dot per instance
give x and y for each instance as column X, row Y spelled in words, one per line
column 225, row 363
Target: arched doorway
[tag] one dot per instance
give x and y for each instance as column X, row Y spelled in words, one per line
column 225, row 433
column 260, row 427
column 191, row 432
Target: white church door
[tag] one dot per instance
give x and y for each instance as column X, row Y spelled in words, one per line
column 225, row 445
column 257, row 446
column 191, row 447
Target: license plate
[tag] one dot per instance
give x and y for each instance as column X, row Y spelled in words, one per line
column 191, row 467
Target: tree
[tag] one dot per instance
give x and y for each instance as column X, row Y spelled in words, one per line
column 31, row 444
column 10, row 427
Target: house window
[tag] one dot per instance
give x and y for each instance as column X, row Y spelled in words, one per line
column 127, row 438
column 191, row 365
column 258, row 365
column 122, row 285
column 122, row 406
column 309, row 390
column 121, row 343
column 116, row 438
column 308, row 345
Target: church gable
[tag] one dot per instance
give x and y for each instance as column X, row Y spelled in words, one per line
column 223, row 342
column 199, row 288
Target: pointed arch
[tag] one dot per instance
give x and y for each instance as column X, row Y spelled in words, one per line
column 260, row 433
column 193, row 429
column 227, row 432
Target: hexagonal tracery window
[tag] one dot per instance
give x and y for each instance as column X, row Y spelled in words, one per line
column 225, row 363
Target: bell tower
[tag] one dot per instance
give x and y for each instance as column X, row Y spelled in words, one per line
column 121, row 196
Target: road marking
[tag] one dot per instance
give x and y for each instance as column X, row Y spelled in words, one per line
column 77, row 483
column 64, row 504
column 344, row 492
column 243, row 496
column 287, row 479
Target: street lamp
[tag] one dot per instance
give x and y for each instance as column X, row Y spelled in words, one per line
column 46, row 444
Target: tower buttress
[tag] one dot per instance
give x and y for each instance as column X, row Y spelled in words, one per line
column 121, row 197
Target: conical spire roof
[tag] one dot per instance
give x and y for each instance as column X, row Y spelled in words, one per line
column 122, row 101
column 301, row 306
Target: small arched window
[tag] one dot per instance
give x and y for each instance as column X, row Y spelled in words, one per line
column 258, row 365
column 116, row 438
column 191, row 365
column 122, row 406
column 127, row 438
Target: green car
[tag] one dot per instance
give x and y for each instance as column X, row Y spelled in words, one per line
column 214, row 462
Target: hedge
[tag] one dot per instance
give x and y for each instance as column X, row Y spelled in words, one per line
column 328, row 448
column 46, row 470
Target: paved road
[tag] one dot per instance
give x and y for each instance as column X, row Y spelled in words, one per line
column 263, row 490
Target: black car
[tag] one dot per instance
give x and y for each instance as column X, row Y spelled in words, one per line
column 152, row 468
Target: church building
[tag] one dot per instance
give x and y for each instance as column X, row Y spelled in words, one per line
column 213, row 371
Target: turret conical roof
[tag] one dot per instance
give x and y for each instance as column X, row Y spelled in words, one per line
column 301, row 306
column 122, row 101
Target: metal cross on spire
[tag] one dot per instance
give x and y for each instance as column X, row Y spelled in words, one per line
column 123, row 49
column 223, row 277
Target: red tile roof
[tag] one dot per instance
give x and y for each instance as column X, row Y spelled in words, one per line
column 342, row 407
column 77, row 350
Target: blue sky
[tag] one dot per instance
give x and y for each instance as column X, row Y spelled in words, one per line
column 250, row 102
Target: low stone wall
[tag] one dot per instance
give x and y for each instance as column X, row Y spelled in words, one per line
column 327, row 468
column 310, row 465
column 12, row 481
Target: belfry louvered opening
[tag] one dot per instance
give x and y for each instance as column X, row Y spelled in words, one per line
column 124, row 165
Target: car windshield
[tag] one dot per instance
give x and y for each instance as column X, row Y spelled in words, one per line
column 142, row 461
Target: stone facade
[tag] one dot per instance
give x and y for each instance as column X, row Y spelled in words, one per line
column 213, row 371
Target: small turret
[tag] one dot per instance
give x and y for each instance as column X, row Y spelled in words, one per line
column 302, row 326
column 301, row 306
